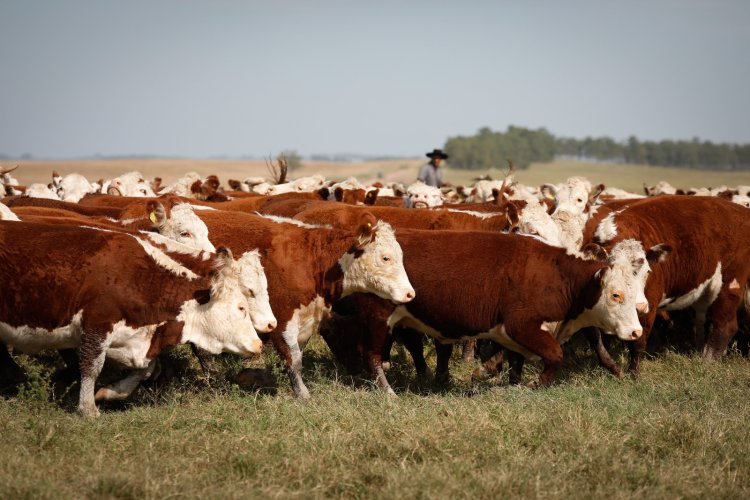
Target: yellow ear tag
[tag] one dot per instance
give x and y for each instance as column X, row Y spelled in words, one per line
column 369, row 225
column 152, row 216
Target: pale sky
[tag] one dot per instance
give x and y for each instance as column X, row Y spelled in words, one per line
column 200, row 78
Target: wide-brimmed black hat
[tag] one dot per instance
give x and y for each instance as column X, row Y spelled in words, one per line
column 437, row 153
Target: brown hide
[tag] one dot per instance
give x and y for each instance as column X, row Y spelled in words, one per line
column 25, row 201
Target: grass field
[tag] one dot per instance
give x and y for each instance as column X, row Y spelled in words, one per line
column 679, row 431
column 630, row 177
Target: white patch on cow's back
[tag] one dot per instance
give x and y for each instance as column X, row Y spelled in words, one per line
column 473, row 213
column 201, row 207
column 705, row 293
column 607, row 229
column 165, row 261
column 286, row 220
column 31, row 340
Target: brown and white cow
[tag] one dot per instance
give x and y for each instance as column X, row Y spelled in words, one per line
column 117, row 295
column 310, row 267
column 708, row 269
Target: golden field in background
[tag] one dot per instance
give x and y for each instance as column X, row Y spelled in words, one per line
column 629, row 177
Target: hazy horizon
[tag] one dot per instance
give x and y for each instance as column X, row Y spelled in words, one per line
column 231, row 78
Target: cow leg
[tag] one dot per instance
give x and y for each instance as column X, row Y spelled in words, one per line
column 375, row 364
column 414, row 343
column 544, row 345
column 469, row 346
column 92, row 352
column 288, row 348
column 125, row 387
column 9, row 369
column 205, row 359
column 638, row 347
column 388, row 347
column 723, row 322
column 594, row 337
column 515, row 367
column 443, row 351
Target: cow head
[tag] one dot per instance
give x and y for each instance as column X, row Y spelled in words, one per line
column 221, row 321
column 254, row 286
column 130, row 184
column 181, row 225
column 576, row 195
column 622, row 284
column 375, row 263
column 420, row 195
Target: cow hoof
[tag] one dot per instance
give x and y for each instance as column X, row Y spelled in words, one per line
column 89, row 412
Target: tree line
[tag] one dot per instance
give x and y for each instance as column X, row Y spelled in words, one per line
column 488, row 149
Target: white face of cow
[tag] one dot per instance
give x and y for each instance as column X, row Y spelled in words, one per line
column 535, row 220
column 254, row 286
column 420, row 195
column 73, row 187
column 131, row 184
column 377, row 266
column 184, row 226
column 39, row 190
column 573, row 195
column 628, row 255
column 223, row 323
column 279, row 189
column 615, row 311
column 308, row 184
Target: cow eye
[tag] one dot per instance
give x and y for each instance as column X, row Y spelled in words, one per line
column 251, row 293
column 242, row 308
column 616, row 296
column 386, row 258
column 580, row 200
column 185, row 234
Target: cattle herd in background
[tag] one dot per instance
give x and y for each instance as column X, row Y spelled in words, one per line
column 122, row 269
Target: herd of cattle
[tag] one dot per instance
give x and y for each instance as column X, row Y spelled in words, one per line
column 125, row 268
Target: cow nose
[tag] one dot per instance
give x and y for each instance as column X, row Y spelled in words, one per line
column 411, row 294
column 271, row 325
column 257, row 346
column 642, row 307
column 636, row 334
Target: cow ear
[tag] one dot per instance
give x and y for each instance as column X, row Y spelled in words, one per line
column 196, row 187
column 595, row 193
column 398, row 191
column 366, row 231
column 548, row 191
column 727, row 195
column 156, row 213
column 658, row 253
column 645, row 189
column 235, row 184
column 203, row 297
column 338, row 193
column 511, row 214
column 324, row 193
column 371, row 196
column 592, row 251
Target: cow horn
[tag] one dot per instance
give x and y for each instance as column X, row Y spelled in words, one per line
column 4, row 170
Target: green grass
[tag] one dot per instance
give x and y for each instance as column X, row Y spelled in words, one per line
column 679, row 431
